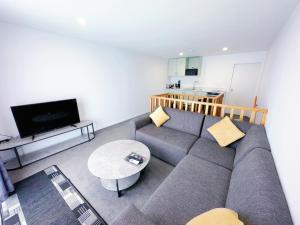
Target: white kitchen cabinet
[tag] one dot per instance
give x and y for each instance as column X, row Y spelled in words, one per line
column 181, row 64
column 176, row 67
column 194, row 62
column 172, row 67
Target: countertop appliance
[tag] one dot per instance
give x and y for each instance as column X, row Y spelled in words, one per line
column 191, row 72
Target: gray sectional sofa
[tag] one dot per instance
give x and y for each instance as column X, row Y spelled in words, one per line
column 241, row 177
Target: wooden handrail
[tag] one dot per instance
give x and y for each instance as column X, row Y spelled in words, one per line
column 215, row 99
column 209, row 108
column 255, row 102
column 193, row 97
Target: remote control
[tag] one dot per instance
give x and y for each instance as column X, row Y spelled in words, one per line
column 134, row 161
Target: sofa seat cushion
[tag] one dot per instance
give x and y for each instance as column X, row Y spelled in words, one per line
column 193, row 187
column 256, row 137
column 255, row 191
column 211, row 120
column 212, row 152
column 167, row 144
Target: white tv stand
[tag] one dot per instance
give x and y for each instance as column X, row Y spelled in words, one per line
column 23, row 160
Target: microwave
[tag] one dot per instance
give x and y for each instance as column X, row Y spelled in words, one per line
column 191, row 72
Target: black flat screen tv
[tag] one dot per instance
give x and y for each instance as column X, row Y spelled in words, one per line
column 42, row 117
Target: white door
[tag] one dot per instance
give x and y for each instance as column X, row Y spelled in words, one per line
column 181, row 64
column 244, row 84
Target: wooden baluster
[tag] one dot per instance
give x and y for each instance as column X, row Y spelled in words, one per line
column 215, row 110
column 231, row 113
column 193, row 106
column 164, row 102
column 150, row 102
column 186, row 106
column 252, row 117
column 199, row 108
column 174, row 104
column 196, row 106
column 206, row 109
column 180, row 105
column 211, row 108
column 170, row 102
column 222, row 112
column 264, row 118
column 242, row 115
column 255, row 102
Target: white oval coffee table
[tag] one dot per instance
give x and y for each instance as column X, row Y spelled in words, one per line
column 108, row 163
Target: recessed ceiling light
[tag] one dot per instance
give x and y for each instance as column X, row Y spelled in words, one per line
column 225, row 49
column 81, row 21
column 181, row 53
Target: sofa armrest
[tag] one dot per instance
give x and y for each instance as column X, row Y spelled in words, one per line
column 132, row 216
column 138, row 123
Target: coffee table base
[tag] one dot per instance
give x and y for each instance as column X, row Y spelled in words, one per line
column 120, row 184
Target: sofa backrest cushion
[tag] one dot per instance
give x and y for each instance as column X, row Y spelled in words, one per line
column 184, row 121
column 256, row 137
column 255, row 192
column 211, row 120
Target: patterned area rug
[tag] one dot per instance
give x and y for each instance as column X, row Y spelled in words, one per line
column 48, row 198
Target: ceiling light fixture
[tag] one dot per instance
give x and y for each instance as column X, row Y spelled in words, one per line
column 181, row 53
column 81, row 21
column 225, row 49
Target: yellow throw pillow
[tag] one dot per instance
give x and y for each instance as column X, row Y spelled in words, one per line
column 225, row 132
column 218, row 216
column 159, row 117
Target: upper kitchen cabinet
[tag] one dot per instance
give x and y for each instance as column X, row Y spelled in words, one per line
column 181, row 64
column 172, row 67
column 194, row 62
column 176, row 67
column 190, row 66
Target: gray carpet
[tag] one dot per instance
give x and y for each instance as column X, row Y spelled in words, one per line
column 73, row 164
column 48, row 198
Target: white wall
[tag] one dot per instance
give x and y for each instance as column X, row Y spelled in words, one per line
column 281, row 95
column 110, row 84
column 217, row 71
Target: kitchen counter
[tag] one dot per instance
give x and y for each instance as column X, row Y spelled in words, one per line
column 191, row 91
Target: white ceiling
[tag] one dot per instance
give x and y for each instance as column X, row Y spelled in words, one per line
column 159, row 27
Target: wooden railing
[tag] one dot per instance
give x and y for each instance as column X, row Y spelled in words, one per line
column 209, row 99
column 212, row 99
column 254, row 115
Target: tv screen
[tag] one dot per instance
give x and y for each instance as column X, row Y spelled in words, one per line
column 42, row 117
